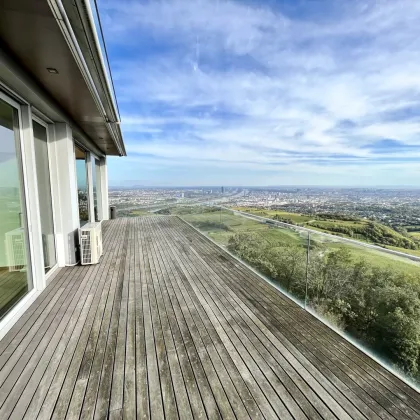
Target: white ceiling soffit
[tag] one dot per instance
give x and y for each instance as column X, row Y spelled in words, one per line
column 45, row 41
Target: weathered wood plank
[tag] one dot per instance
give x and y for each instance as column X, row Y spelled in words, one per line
column 86, row 389
column 54, row 350
column 357, row 376
column 301, row 323
column 217, row 265
column 129, row 396
column 169, row 325
column 35, row 342
column 142, row 389
column 179, row 386
column 30, row 377
column 153, row 374
column 294, row 372
column 26, row 321
column 240, row 397
column 283, row 391
column 270, row 403
column 65, row 389
column 199, row 361
column 219, row 379
column 168, row 395
column 54, row 375
column 192, row 389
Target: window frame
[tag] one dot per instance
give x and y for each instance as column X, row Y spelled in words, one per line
column 88, row 176
column 29, row 207
column 53, row 198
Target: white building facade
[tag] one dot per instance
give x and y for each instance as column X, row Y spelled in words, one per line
column 58, row 123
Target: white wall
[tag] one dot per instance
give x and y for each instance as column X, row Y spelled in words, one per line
column 66, row 211
column 103, row 187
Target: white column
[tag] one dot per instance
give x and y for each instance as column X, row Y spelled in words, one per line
column 102, row 185
column 64, row 187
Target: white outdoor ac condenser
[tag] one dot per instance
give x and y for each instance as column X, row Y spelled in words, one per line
column 90, row 239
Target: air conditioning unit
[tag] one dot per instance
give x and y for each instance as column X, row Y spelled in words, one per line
column 90, row 239
column 15, row 249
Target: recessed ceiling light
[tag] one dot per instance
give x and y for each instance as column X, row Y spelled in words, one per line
column 52, row 70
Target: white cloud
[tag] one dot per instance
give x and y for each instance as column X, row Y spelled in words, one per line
column 248, row 85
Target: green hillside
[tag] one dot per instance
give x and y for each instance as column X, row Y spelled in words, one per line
column 221, row 226
column 346, row 226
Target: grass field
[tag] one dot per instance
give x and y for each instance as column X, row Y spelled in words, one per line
column 415, row 252
column 209, row 224
column 297, row 218
column 327, row 226
column 374, row 256
column 140, row 212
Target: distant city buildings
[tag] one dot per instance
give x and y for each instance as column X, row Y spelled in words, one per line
column 396, row 207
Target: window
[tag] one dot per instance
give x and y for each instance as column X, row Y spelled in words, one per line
column 44, row 195
column 95, row 189
column 82, row 185
column 15, row 281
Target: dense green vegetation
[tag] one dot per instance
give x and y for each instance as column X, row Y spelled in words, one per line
column 374, row 297
column 378, row 306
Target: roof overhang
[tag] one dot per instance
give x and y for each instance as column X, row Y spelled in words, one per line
column 37, row 35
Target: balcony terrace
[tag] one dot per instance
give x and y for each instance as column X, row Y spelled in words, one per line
column 169, row 325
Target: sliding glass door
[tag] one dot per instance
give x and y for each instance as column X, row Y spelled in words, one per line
column 96, row 177
column 15, row 280
column 82, row 185
column 44, row 195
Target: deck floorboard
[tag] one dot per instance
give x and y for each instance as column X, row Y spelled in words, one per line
column 170, row 326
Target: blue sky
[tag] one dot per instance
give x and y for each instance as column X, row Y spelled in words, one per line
column 306, row 92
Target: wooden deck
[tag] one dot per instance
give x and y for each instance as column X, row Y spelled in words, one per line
column 170, row 326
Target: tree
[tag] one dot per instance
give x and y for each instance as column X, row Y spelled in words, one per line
column 380, row 307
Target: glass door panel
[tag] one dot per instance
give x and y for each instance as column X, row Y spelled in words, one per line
column 15, row 281
column 44, row 195
column 96, row 176
column 82, row 185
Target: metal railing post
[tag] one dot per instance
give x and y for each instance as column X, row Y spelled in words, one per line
column 307, row 269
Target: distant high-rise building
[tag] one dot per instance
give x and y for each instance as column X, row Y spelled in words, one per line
column 223, row 190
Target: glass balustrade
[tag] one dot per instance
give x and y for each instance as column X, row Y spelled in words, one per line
column 371, row 294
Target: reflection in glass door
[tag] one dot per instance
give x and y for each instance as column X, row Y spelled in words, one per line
column 44, row 195
column 82, row 185
column 15, row 281
column 96, row 176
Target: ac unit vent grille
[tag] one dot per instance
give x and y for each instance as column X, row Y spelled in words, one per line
column 90, row 243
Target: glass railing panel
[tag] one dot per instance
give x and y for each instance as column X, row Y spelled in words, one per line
column 370, row 294
column 275, row 251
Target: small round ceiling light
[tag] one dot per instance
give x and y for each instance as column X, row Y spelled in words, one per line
column 52, row 70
